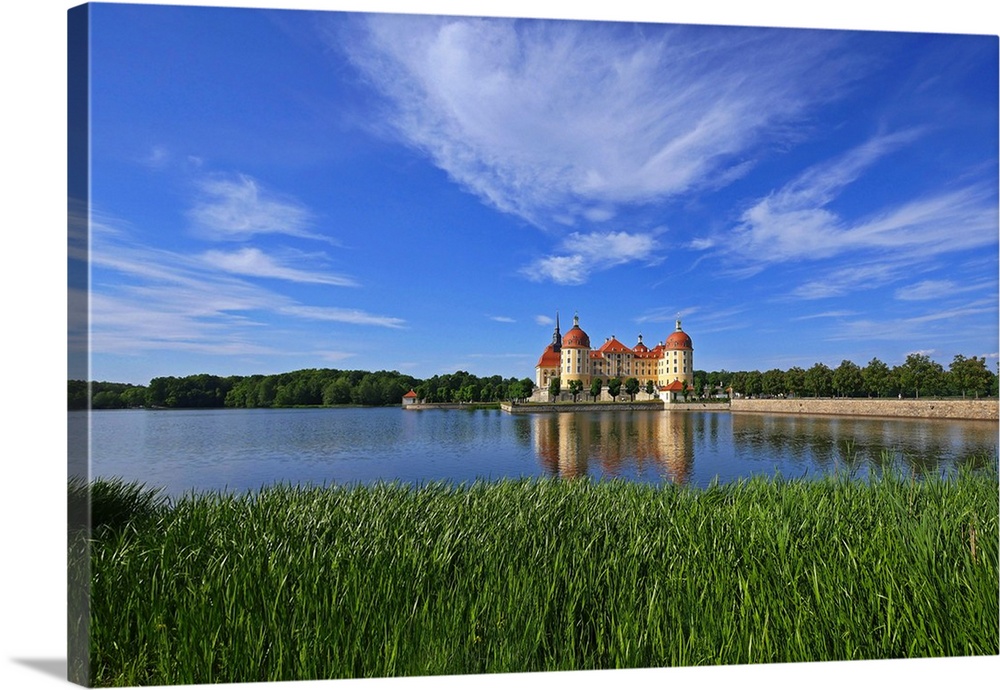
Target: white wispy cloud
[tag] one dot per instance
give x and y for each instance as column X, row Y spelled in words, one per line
column 796, row 221
column 253, row 262
column 930, row 289
column 503, row 319
column 848, row 279
column 334, row 355
column 709, row 319
column 837, row 314
column 238, row 207
column 583, row 254
column 543, row 320
column 671, row 314
column 501, row 355
column 933, row 325
column 353, row 316
column 157, row 158
column 144, row 298
column 131, row 323
column 544, row 119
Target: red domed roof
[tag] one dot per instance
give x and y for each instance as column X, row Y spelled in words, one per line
column 678, row 340
column 576, row 337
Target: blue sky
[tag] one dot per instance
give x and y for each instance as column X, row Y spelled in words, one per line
column 277, row 189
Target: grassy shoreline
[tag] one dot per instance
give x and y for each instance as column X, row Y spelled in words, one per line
column 387, row 580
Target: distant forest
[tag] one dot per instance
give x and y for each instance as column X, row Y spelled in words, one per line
column 306, row 387
column 918, row 376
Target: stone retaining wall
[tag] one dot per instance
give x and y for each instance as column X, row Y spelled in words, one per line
column 700, row 407
column 449, row 406
column 580, row 407
column 925, row 409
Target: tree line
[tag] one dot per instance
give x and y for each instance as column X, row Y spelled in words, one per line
column 305, row 387
column 918, row 376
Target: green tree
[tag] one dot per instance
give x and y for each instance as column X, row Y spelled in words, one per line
column 243, row 394
column 722, row 379
column 367, row 391
column 773, row 382
column 847, row 379
column 134, row 396
column 701, row 383
column 78, row 394
column 632, row 387
column 614, row 387
column 595, row 388
column 515, row 391
column 795, row 381
column 555, row 385
column 575, row 386
column 877, row 378
column 107, row 400
column 338, row 392
column 528, row 386
column 919, row 374
column 265, row 392
column 970, row 375
column 819, row 380
column 651, row 387
column 737, row 381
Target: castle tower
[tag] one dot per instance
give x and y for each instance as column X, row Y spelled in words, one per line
column 575, row 355
column 549, row 364
column 678, row 358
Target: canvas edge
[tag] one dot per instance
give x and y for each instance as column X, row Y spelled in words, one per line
column 77, row 336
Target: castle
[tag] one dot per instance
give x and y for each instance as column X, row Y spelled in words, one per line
column 669, row 365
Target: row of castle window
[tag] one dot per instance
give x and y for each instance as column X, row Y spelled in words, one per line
column 627, row 370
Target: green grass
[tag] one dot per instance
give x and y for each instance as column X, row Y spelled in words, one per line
column 308, row 583
column 113, row 504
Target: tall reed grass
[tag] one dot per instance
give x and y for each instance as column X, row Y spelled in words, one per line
column 387, row 580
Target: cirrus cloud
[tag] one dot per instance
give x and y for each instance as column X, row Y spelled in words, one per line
column 565, row 120
column 239, row 207
column 251, row 261
column 587, row 253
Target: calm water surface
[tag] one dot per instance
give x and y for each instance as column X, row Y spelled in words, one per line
column 239, row 450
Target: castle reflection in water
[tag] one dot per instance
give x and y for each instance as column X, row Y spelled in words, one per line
column 616, row 444
column 696, row 447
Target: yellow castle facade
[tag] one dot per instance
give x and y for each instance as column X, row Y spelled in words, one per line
column 669, row 364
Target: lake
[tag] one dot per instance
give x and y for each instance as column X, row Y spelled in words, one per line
column 239, row 450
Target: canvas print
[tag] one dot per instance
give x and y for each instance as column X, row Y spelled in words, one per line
column 405, row 345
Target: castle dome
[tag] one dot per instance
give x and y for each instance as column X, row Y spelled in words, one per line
column 576, row 337
column 678, row 340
